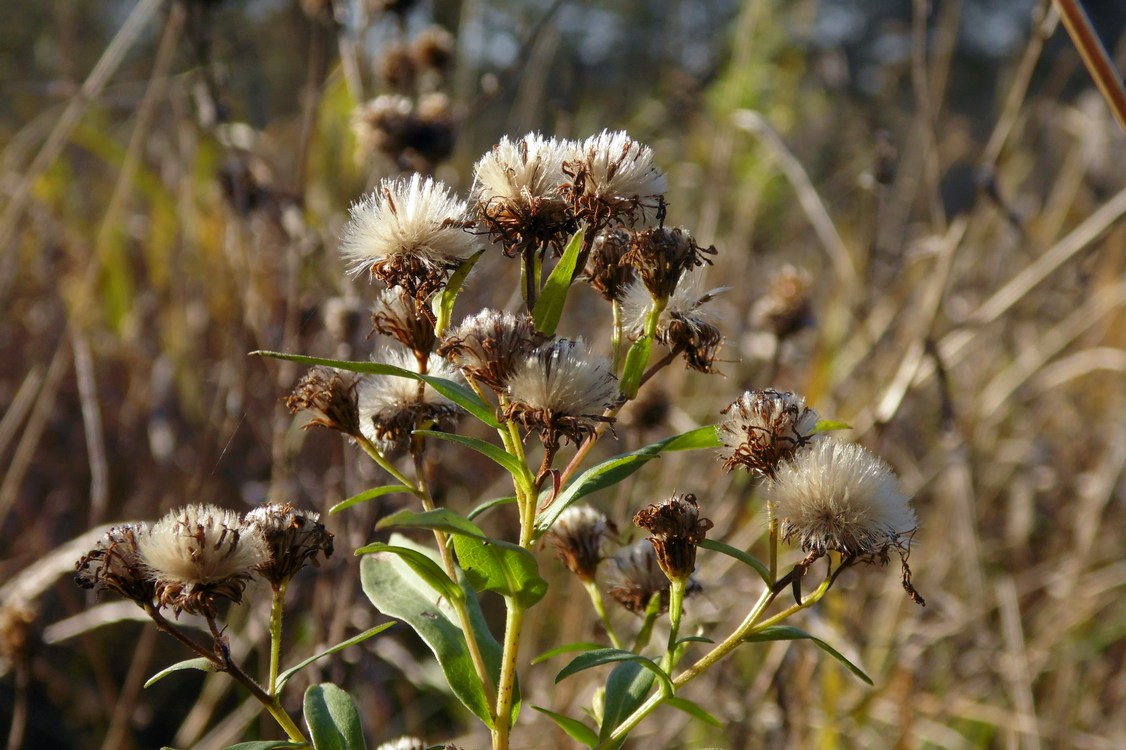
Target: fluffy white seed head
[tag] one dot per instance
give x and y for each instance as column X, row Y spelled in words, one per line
column 764, row 428
column 837, row 496
column 519, row 172
column 616, row 168
column 391, row 406
column 564, row 379
column 199, row 545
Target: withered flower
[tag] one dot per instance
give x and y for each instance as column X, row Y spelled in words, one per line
column 115, row 563
column 613, row 178
column 676, row 529
column 561, row 391
column 516, row 194
column 391, row 407
column 487, row 346
column 578, row 537
column 394, row 66
column 606, row 270
column 199, row 554
column 637, row 577
column 409, row 233
column 293, row 538
column 433, row 50
column 664, row 254
column 786, row 308
column 329, row 395
column 683, row 325
column 764, row 428
column 405, row 319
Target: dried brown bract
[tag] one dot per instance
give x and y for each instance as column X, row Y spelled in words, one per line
column 402, row 317
column 664, row 254
column 612, row 179
column 578, row 536
column 606, row 269
column 488, row 346
column 764, row 428
column 294, row 538
column 115, row 563
column 329, row 396
column 676, row 529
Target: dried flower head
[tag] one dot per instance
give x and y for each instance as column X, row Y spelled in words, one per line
column 487, row 346
column 786, row 308
column 764, row 428
column 683, row 326
column 293, row 538
column 381, row 125
column 517, row 197
column 409, row 233
column 662, row 255
column 613, row 178
column 676, row 529
column 115, row 563
column 838, row 497
column 637, row 576
column 606, row 270
column 561, row 390
column 391, row 407
column 199, row 554
column 402, row 317
column 579, row 535
column 433, row 49
column 394, row 66
column 16, row 619
column 329, row 395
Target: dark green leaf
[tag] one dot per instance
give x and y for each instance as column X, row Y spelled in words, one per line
column 459, row 394
column 692, row 709
column 440, row 519
column 627, row 687
column 507, row 461
column 549, row 306
column 740, row 555
column 503, row 567
column 445, row 302
column 360, row 638
column 566, row 649
column 334, row 723
column 790, row 633
column 398, row 591
column 488, row 505
column 614, row 470
column 574, row 728
column 636, row 360
column 610, row 655
column 694, row 639
column 423, row 565
column 371, row 494
column 200, row 664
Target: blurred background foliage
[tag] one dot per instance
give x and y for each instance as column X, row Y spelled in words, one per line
column 174, row 176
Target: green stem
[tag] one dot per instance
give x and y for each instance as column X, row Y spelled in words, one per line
column 277, row 607
column 676, row 610
column 616, row 336
column 369, row 448
column 506, row 688
column 772, row 524
column 652, row 610
column 600, row 607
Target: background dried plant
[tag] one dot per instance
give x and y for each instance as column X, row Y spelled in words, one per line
column 957, row 205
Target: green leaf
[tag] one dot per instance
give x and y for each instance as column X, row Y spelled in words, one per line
column 488, row 505
column 503, row 567
column 456, row 392
column 607, row 656
column 201, row 664
column 549, row 306
column 741, row 556
column 444, row 304
column 627, row 687
column 790, row 633
column 371, row 494
column 692, row 709
column 334, row 723
column 360, row 638
column 694, row 639
column 636, row 359
column 439, row 519
column 828, row 425
column 566, row 649
column 266, row 745
column 507, row 461
column 422, row 564
column 574, row 728
column 396, row 589
column 614, row 470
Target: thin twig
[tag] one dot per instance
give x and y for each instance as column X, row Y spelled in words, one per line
column 1095, row 57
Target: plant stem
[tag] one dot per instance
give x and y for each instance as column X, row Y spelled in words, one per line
column 652, row 609
column 369, row 448
column 616, row 336
column 277, row 607
column 1095, row 57
column 600, row 607
column 676, row 610
column 502, row 725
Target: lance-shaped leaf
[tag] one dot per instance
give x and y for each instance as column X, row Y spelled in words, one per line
column 503, row 567
column 334, row 723
column 626, row 689
column 398, row 591
column 200, row 664
column 574, row 728
column 360, row 638
column 608, row 656
column 267, row 745
column 456, row 392
column 439, row 519
column 828, row 425
column 371, row 494
column 614, row 470
column 747, row 559
column 692, row 709
column 549, row 305
column 444, row 303
column 567, row 648
column 790, row 633
column 510, row 463
column 424, row 566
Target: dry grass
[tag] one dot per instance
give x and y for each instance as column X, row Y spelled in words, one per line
column 982, row 353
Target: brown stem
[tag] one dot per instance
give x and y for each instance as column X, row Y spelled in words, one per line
column 1095, row 57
